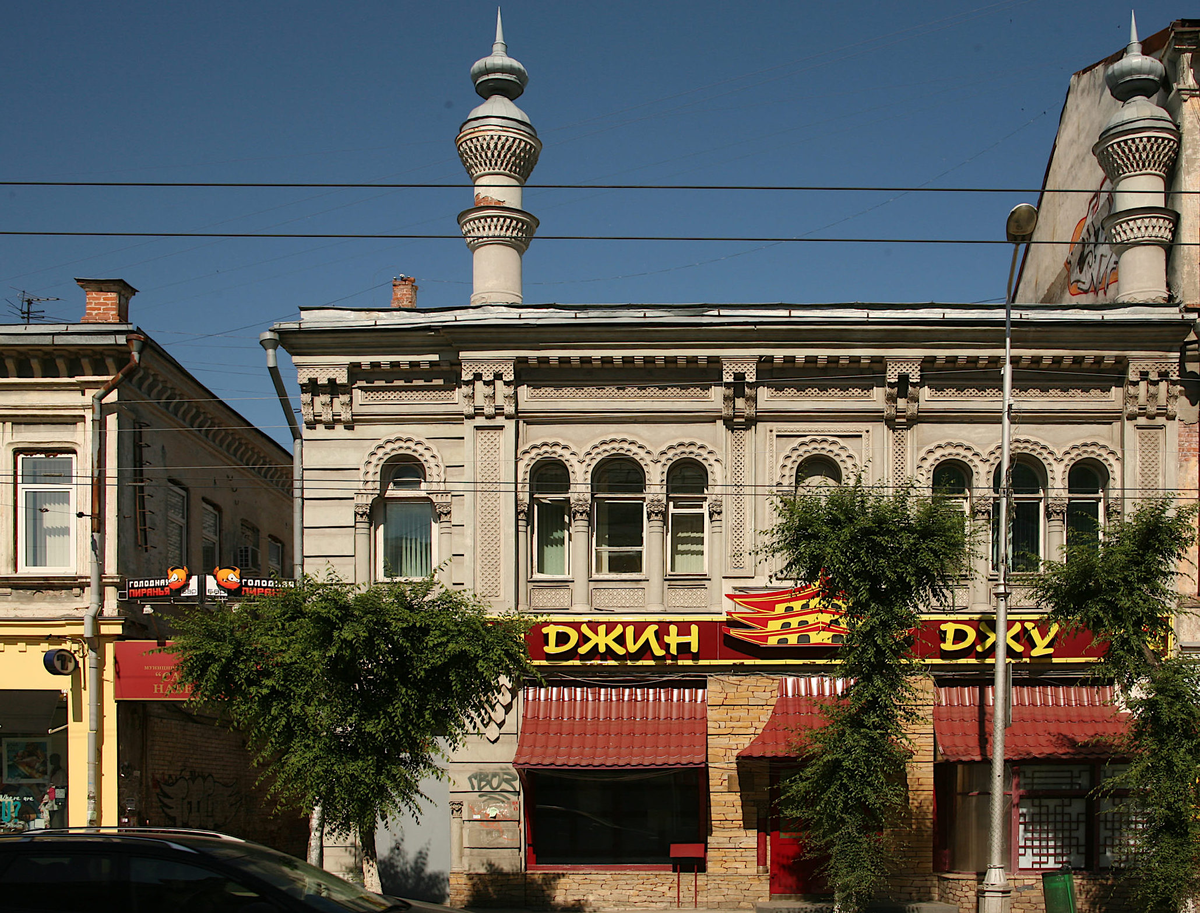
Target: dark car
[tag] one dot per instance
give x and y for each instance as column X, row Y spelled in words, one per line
column 136, row 870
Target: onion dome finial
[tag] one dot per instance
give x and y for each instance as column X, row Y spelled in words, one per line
column 1135, row 74
column 499, row 74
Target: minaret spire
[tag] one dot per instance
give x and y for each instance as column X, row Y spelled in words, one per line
column 498, row 147
column 1137, row 150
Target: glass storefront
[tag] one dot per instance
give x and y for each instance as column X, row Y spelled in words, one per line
column 33, row 760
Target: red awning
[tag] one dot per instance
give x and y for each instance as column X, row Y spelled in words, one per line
column 143, row 673
column 1049, row 721
column 605, row 727
column 797, row 711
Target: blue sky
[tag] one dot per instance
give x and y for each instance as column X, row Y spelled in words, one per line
column 938, row 94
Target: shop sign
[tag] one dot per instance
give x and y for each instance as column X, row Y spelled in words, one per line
column 59, row 662
column 228, row 583
column 146, row 673
column 180, row 585
column 705, row 640
column 794, row 617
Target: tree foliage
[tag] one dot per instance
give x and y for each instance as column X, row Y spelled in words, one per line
column 349, row 697
column 1122, row 589
column 887, row 555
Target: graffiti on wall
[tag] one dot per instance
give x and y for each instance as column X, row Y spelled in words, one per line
column 1091, row 262
column 197, row 800
column 493, row 781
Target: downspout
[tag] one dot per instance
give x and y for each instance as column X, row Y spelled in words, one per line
column 270, row 343
column 91, row 631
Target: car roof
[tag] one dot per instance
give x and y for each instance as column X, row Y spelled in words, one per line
column 179, row 838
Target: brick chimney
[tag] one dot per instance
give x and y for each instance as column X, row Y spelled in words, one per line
column 107, row 300
column 404, row 292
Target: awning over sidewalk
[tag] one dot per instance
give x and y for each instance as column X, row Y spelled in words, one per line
column 1056, row 722
column 797, row 711
column 144, row 673
column 613, row 727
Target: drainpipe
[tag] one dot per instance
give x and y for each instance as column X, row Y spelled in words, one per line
column 91, row 631
column 270, row 342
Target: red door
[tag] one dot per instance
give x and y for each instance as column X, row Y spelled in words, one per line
column 791, row 871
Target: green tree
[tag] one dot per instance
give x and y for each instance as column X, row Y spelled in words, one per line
column 349, row 697
column 886, row 556
column 1122, row 588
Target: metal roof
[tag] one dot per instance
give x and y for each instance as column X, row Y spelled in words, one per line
column 797, row 710
column 610, row 726
column 1055, row 722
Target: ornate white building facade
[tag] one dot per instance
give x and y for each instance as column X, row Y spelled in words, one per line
column 609, row 470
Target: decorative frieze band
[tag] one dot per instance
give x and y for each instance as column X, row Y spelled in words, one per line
column 1138, row 153
column 497, row 225
column 493, row 149
column 1142, row 225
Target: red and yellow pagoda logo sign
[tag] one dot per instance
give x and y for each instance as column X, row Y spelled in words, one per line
column 788, row 618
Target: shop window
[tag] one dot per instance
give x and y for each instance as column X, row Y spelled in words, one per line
column 687, row 517
column 404, row 524
column 818, row 472
column 46, row 512
column 33, row 760
column 176, row 525
column 210, row 536
column 613, row 817
column 1053, row 811
column 1026, row 508
column 551, row 520
column 1085, row 503
column 619, row 517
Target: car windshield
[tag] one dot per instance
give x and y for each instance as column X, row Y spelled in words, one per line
column 315, row 887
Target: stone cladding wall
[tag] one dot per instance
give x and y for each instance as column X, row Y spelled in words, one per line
column 1093, row 893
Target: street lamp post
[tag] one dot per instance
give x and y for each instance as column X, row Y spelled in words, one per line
column 995, row 893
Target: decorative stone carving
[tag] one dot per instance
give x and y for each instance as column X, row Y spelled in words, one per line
column 1151, row 387
column 522, row 510
column 1149, row 462
column 656, row 508
column 816, row 445
column 488, row 520
column 435, row 474
column 687, row 597
column 362, row 512
column 588, row 394
column 952, row 450
column 456, row 808
column 1100, row 453
column 689, row 450
column 900, row 399
column 731, row 370
column 531, row 455
column 1038, row 450
column 497, row 225
column 1056, row 509
column 981, row 509
column 581, row 507
column 618, row 446
column 628, row 597
column 715, row 507
column 736, row 539
column 550, row 597
column 443, row 503
column 495, row 150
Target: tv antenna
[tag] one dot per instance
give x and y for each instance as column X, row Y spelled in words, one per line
column 26, row 308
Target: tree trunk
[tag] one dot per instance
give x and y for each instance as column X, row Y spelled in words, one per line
column 316, row 837
column 370, row 860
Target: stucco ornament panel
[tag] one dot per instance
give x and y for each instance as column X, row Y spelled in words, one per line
column 817, row 445
column 952, row 450
column 435, row 473
column 1100, row 453
column 549, row 450
column 690, row 450
column 617, row 447
column 1039, row 450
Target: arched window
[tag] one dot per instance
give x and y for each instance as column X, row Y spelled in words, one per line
column 551, row 484
column 1026, row 508
column 687, row 517
column 404, row 522
column 619, row 517
column 952, row 482
column 1086, row 483
column 818, row 472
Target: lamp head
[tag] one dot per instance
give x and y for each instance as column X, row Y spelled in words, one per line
column 1021, row 223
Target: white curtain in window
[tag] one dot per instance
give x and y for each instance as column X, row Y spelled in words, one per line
column 551, row 528
column 47, row 528
column 407, row 545
column 687, row 541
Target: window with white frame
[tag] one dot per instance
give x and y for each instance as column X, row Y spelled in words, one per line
column 551, row 489
column 46, row 512
column 404, row 524
column 274, row 556
column 1086, row 483
column 687, row 517
column 248, row 556
column 818, row 472
column 210, row 536
column 1026, row 508
column 176, row 525
column 619, row 517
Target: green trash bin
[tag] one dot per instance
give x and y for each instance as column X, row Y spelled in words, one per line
column 1058, row 890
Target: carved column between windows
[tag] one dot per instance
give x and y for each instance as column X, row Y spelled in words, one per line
column 656, row 515
column 362, row 539
column 1056, row 527
column 981, row 563
column 716, row 557
column 456, row 838
column 739, row 396
column 443, row 507
column 900, row 399
column 581, row 513
column 326, row 396
column 523, row 562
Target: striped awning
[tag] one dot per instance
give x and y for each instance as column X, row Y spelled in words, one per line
column 1056, row 722
column 612, row 727
column 798, row 710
